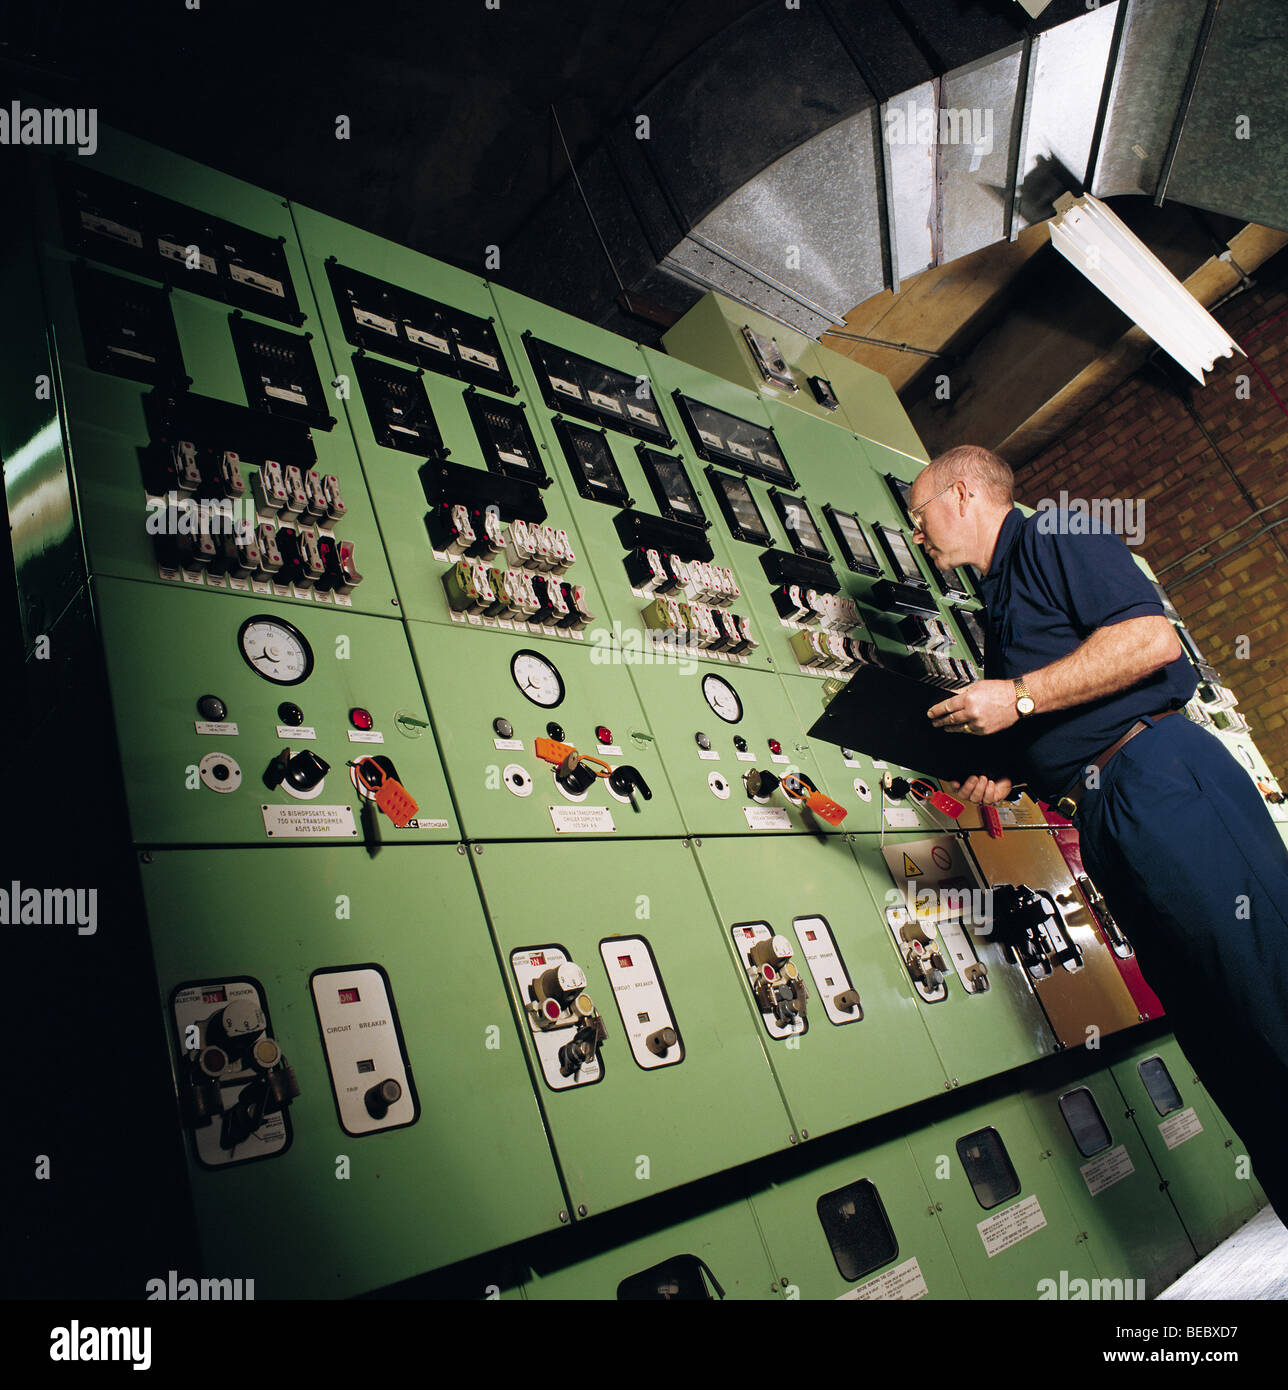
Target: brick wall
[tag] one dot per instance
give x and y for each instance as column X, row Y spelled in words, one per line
column 1141, row 442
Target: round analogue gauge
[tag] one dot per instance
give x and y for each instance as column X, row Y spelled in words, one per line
column 275, row 649
column 537, row 679
column 722, row 698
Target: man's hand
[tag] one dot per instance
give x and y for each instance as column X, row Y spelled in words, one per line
column 986, row 707
column 982, row 791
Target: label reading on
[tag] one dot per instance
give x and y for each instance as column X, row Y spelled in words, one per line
column 1106, row 1170
column 1009, row 1227
column 1176, row 1129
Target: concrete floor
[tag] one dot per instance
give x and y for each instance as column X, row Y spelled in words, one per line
column 1252, row 1264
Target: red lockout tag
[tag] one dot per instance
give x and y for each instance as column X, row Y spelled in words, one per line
column 391, row 797
column 992, row 821
column 825, row 808
column 396, row 802
column 941, row 801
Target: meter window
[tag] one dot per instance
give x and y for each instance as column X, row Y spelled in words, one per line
column 1086, row 1124
column 857, row 1228
column 988, row 1168
column 1158, row 1082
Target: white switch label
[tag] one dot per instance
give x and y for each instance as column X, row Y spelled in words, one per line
column 904, row 1281
column 641, row 1001
column 1011, row 1226
column 369, row 1073
column 1106, row 1170
column 825, row 965
column 767, row 818
column 307, row 822
column 1176, row 1129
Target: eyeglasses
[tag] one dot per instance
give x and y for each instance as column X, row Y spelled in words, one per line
column 915, row 516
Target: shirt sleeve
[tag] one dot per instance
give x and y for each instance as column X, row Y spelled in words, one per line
column 1102, row 583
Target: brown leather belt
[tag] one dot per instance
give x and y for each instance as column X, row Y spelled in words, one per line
column 1068, row 805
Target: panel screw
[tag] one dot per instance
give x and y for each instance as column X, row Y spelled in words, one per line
column 791, row 1138
column 460, row 849
column 563, row 1216
column 783, row 1282
column 581, row 1209
column 146, row 857
column 804, row 1134
column 478, row 849
column 697, row 844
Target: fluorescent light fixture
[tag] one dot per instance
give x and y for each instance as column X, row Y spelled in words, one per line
column 1120, row 265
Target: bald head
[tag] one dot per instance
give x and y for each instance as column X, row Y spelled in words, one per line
column 979, row 468
column 961, row 500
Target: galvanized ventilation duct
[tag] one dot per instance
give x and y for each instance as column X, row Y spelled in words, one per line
column 806, row 159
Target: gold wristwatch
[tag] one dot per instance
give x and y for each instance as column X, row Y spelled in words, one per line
column 1023, row 700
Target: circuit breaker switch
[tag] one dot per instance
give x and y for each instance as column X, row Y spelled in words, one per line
column 379, row 1098
column 847, row 1000
column 661, row 1042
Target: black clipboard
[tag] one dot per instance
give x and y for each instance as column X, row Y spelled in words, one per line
column 883, row 713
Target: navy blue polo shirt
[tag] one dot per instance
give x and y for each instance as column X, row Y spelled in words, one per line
column 1046, row 591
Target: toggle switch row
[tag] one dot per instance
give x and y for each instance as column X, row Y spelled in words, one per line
column 301, row 555
column 660, row 572
column 474, row 587
column 291, row 492
column 833, row 612
column 714, row 628
column 478, row 533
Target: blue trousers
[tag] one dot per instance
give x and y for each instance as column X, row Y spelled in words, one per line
column 1179, row 841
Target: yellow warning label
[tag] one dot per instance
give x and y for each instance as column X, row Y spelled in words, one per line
column 910, row 870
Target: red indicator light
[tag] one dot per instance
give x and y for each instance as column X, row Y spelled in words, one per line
column 604, row 735
column 775, row 746
column 552, row 1009
column 809, row 936
column 769, row 972
column 624, row 961
column 361, row 719
column 214, row 996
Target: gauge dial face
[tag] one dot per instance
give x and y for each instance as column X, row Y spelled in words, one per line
column 276, row 650
column 722, row 698
column 537, row 678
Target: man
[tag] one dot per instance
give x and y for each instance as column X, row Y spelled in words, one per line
column 1080, row 659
